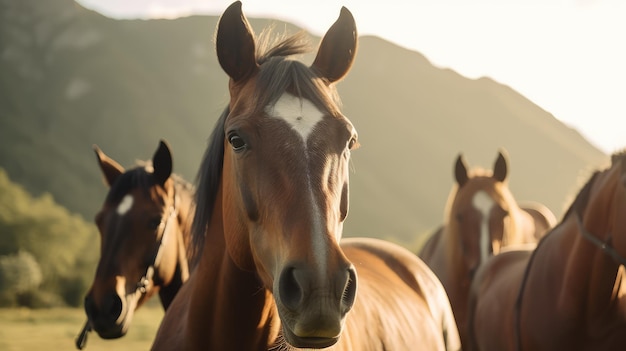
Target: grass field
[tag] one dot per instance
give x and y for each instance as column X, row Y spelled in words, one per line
column 56, row 329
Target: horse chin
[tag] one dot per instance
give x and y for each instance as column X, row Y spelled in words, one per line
column 114, row 331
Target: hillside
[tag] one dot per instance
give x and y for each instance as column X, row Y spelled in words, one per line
column 70, row 78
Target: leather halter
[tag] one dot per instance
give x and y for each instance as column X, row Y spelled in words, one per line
column 605, row 246
column 144, row 281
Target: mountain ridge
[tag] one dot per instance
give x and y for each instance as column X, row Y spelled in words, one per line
column 87, row 79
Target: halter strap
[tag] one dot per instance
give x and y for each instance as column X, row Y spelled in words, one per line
column 143, row 282
column 604, row 246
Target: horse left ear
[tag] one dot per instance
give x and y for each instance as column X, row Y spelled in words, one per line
column 162, row 163
column 235, row 44
column 500, row 167
column 337, row 49
column 460, row 170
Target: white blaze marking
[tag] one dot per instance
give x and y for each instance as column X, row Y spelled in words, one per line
column 125, row 205
column 483, row 203
column 302, row 115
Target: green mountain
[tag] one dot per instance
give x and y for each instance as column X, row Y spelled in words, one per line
column 70, row 78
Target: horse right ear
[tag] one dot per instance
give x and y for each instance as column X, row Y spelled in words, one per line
column 110, row 169
column 460, row 170
column 235, row 45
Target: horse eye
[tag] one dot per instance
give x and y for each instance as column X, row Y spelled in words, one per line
column 154, row 223
column 353, row 143
column 459, row 217
column 236, row 142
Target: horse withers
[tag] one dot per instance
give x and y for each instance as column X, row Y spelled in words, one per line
column 274, row 272
column 482, row 217
column 145, row 228
column 569, row 292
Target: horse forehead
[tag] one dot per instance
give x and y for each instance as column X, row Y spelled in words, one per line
column 482, row 201
column 137, row 198
column 300, row 113
column 125, row 205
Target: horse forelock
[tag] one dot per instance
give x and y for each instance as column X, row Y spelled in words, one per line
column 280, row 72
column 136, row 178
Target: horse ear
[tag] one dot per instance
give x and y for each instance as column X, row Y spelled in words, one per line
column 162, row 163
column 235, row 44
column 460, row 170
column 500, row 167
column 337, row 49
column 110, row 169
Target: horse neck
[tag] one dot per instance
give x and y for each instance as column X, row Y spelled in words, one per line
column 230, row 308
column 599, row 275
column 457, row 273
column 522, row 230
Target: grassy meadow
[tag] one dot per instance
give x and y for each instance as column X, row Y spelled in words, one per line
column 57, row 328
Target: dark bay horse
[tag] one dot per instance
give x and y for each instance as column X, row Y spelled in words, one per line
column 482, row 217
column 274, row 272
column 569, row 293
column 145, row 229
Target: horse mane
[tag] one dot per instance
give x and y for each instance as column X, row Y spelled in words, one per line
column 616, row 157
column 208, row 180
column 278, row 73
column 181, row 183
column 580, row 202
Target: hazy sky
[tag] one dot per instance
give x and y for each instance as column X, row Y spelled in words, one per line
column 567, row 56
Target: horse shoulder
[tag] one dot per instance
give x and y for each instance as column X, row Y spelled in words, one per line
column 399, row 287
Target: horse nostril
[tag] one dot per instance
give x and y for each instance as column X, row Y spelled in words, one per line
column 289, row 289
column 112, row 307
column 349, row 292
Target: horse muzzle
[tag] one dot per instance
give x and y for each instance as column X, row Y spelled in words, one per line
column 313, row 310
column 110, row 318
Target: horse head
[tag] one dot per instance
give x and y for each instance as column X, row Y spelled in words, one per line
column 482, row 212
column 286, row 149
column 138, row 228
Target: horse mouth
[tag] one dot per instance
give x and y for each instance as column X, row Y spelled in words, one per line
column 308, row 342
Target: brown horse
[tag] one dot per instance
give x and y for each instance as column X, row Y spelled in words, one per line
column 570, row 292
column 145, row 230
column 482, row 217
column 272, row 199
